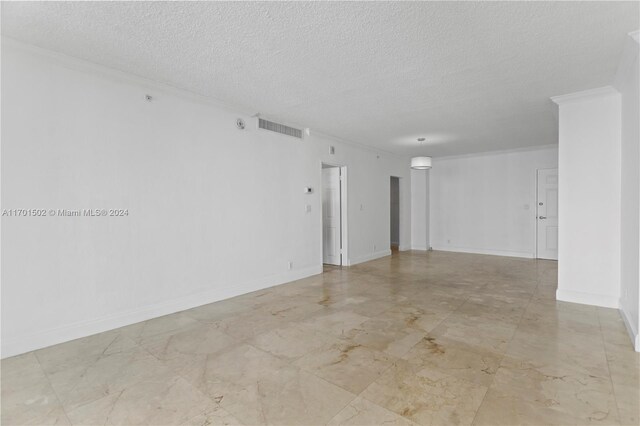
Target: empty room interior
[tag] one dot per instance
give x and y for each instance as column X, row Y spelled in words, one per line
column 320, row 213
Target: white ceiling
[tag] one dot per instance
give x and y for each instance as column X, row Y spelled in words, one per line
column 469, row 77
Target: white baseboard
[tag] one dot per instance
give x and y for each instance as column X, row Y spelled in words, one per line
column 404, row 248
column 420, row 248
column 631, row 328
column 368, row 257
column 587, row 298
column 17, row 345
column 508, row 253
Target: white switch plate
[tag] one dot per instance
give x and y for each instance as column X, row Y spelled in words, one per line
column 307, row 208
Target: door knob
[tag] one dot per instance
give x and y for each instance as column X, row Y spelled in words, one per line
column 542, row 217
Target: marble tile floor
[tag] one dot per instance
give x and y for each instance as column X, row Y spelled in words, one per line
column 415, row 338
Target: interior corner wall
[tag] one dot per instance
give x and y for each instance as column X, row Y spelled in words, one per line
column 485, row 203
column 420, row 209
column 589, row 198
column 213, row 211
column 628, row 86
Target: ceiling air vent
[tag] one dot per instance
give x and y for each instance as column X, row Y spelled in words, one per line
column 279, row 128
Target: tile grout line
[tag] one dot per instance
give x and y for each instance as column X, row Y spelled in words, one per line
column 248, row 342
column 606, row 358
column 333, row 337
column 433, row 328
column 237, row 342
column 291, row 364
column 99, row 357
column 64, row 410
column 504, row 354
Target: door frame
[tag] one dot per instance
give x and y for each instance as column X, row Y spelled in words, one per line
column 344, row 258
column 535, row 211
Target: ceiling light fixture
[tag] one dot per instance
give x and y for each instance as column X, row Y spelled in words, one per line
column 421, row 163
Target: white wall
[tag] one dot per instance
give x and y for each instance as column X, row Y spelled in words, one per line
column 627, row 84
column 213, row 211
column 589, row 197
column 485, row 203
column 420, row 209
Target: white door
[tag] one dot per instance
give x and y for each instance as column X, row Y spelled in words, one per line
column 331, row 216
column 547, row 214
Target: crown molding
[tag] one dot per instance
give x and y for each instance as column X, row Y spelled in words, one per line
column 585, row 95
column 82, row 65
column 523, row 149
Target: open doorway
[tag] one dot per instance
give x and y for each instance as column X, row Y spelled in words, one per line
column 333, row 214
column 394, row 214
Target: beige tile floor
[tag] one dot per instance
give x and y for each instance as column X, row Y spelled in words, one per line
column 417, row 338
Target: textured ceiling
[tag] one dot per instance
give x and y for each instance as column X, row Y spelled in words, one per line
column 469, row 77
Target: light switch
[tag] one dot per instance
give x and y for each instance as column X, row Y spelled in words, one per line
column 307, row 208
